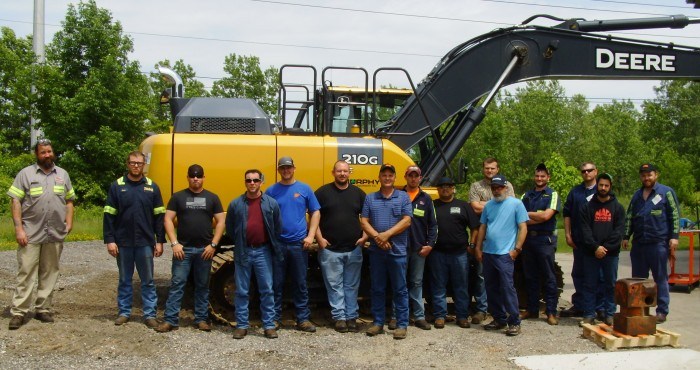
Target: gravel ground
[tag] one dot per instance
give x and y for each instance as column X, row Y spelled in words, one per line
column 84, row 336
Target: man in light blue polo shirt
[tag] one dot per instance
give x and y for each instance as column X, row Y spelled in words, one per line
column 500, row 240
column 386, row 215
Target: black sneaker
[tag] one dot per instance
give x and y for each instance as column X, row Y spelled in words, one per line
column 495, row 325
column 571, row 312
column 513, row 330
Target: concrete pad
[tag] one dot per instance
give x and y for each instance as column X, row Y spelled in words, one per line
column 660, row 359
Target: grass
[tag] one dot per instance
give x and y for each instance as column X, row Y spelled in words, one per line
column 87, row 225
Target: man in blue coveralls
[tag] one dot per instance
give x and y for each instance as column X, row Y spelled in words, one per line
column 542, row 205
column 653, row 217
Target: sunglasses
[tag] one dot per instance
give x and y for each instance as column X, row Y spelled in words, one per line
column 248, row 181
column 135, row 164
column 44, row 142
column 588, row 170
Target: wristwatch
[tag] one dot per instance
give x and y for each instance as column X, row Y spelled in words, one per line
column 213, row 245
column 472, row 245
column 174, row 243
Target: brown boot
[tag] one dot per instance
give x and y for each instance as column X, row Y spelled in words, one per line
column 241, row 333
column 16, row 322
column 165, row 327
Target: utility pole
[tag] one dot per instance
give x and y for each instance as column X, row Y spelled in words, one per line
column 38, row 47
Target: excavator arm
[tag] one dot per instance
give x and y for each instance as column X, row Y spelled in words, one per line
column 472, row 73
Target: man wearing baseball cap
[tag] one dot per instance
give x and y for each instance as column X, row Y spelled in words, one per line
column 295, row 199
column 500, row 240
column 386, row 214
column 653, row 217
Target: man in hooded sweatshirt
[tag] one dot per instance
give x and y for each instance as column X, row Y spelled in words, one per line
column 602, row 227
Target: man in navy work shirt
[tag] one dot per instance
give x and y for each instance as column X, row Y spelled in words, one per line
column 542, row 205
column 653, row 218
column 134, row 233
column 386, row 215
column 578, row 196
column 295, row 199
column 498, row 244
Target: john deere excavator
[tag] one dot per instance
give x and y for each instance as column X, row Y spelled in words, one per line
column 432, row 121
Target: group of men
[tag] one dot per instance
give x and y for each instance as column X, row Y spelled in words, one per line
column 470, row 245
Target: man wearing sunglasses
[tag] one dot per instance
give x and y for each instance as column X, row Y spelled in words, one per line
column 193, row 246
column 578, row 196
column 254, row 223
column 42, row 212
column 134, row 233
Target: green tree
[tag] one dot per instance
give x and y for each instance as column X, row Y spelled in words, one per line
column 193, row 88
column 16, row 74
column 247, row 80
column 563, row 176
column 93, row 101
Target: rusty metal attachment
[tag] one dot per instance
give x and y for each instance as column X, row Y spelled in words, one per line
column 635, row 296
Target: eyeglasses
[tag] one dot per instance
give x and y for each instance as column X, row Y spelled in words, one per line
column 135, row 164
column 588, row 170
column 248, row 181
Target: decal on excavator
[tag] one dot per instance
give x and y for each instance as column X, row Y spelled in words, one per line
column 606, row 58
column 360, row 151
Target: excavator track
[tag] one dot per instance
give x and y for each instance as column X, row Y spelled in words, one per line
column 222, row 288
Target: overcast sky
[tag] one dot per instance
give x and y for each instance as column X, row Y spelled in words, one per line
column 412, row 34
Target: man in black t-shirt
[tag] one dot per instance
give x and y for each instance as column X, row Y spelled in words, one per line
column 339, row 237
column 193, row 246
column 448, row 260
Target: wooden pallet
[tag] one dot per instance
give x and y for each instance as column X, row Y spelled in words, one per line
column 611, row 340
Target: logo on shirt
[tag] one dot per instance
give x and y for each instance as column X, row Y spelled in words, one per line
column 296, row 195
column 602, row 215
column 196, row 203
column 59, row 180
column 147, row 188
column 454, row 210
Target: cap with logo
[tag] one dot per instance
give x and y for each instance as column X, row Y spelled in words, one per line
column 195, row 170
column 387, row 166
column 412, row 169
column 285, row 161
column 647, row 167
column 499, row 180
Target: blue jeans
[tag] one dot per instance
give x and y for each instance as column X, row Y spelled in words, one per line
column 654, row 257
column 259, row 263
column 446, row 267
column 500, row 290
column 381, row 265
column 142, row 258
column 593, row 269
column 538, row 266
column 414, row 281
column 296, row 260
column 477, row 287
column 180, row 272
column 341, row 275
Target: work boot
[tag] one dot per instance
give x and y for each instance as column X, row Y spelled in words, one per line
column 151, row 323
column 478, row 318
column 16, row 322
column 239, row 333
column 513, row 330
column 495, row 325
column 341, row 326
column 529, row 315
column 660, row 318
column 571, row 312
column 552, row 319
column 44, row 317
column 463, row 323
column 422, row 324
column 586, row 320
column 352, row 326
column 121, row 320
column 270, row 333
column 608, row 321
column 203, row 326
column 165, row 327
column 439, row 323
column 392, row 324
column 600, row 315
column 400, row 333
column 374, row 330
column 306, row 326
column 278, row 325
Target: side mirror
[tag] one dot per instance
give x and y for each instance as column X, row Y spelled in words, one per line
column 462, row 169
column 165, row 96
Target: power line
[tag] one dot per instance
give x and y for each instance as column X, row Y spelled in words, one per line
column 642, row 4
column 569, row 7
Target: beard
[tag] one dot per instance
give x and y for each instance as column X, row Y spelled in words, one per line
column 603, row 194
column 500, row 198
column 45, row 163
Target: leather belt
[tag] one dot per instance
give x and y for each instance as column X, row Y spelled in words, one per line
column 540, row 233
